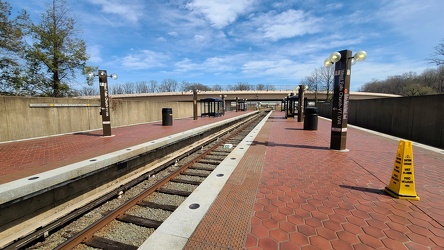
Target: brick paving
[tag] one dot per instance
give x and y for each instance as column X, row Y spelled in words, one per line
column 311, row 197
column 21, row 159
column 290, row 191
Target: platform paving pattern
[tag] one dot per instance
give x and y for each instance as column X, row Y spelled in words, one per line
column 290, row 191
column 20, row 159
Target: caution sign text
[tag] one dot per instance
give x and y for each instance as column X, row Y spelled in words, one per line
column 402, row 183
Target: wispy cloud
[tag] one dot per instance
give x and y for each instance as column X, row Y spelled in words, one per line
column 288, row 24
column 145, row 59
column 94, row 54
column 129, row 12
column 250, row 40
column 220, row 13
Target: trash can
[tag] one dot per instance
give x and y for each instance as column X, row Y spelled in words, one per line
column 167, row 116
column 311, row 118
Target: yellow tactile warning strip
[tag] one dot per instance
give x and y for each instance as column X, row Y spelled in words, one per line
column 228, row 221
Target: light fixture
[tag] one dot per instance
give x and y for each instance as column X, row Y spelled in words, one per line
column 360, row 56
column 336, row 56
column 341, row 94
column 91, row 75
column 353, row 61
column 305, row 87
column 328, row 63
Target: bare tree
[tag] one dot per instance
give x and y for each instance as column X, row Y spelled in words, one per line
column 168, row 85
column 89, row 91
column 141, row 87
column 117, row 89
column 326, row 75
column 438, row 56
column 242, row 86
column 260, row 86
column 152, row 86
column 128, row 88
column 187, row 86
column 312, row 82
column 217, row 87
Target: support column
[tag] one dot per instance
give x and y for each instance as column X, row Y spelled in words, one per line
column 340, row 101
column 104, row 103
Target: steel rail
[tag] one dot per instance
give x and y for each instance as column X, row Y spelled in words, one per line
column 88, row 232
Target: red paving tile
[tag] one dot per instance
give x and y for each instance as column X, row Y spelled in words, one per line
column 326, row 199
column 311, row 197
column 24, row 158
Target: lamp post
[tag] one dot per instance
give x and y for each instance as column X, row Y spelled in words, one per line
column 237, row 103
column 223, row 103
column 301, row 90
column 343, row 61
column 195, row 104
column 104, row 99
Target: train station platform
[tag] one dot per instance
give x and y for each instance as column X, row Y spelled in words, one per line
column 290, row 191
column 25, row 158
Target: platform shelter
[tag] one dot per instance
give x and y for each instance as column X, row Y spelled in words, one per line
column 211, row 107
column 291, row 106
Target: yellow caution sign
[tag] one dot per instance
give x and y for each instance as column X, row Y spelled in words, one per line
column 402, row 183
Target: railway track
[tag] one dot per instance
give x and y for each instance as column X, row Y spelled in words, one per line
column 126, row 217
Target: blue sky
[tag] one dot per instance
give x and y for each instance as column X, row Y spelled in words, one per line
column 256, row 41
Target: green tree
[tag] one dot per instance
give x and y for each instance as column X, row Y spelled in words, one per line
column 57, row 53
column 12, row 32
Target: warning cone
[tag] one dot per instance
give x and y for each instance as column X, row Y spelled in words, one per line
column 402, row 183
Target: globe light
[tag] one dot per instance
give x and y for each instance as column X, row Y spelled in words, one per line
column 353, row 61
column 335, row 57
column 114, row 76
column 328, row 63
column 90, row 75
column 360, row 56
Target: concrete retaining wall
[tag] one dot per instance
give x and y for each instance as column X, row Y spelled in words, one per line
column 20, row 121
column 416, row 118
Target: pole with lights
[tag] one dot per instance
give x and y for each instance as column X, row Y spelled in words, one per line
column 223, row 103
column 301, row 90
column 343, row 61
column 195, row 103
column 104, row 99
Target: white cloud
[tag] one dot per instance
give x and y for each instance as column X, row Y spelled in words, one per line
column 210, row 65
column 418, row 20
column 173, row 34
column 186, row 65
column 199, row 38
column 129, row 11
column 220, row 13
column 288, row 24
column 94, row 54
column 282, row 67
column 144, row 60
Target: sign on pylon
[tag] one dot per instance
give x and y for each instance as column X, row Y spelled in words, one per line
column 402, row 183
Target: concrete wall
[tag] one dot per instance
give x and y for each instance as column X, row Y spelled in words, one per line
column 20, row 121
column 417, row 118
